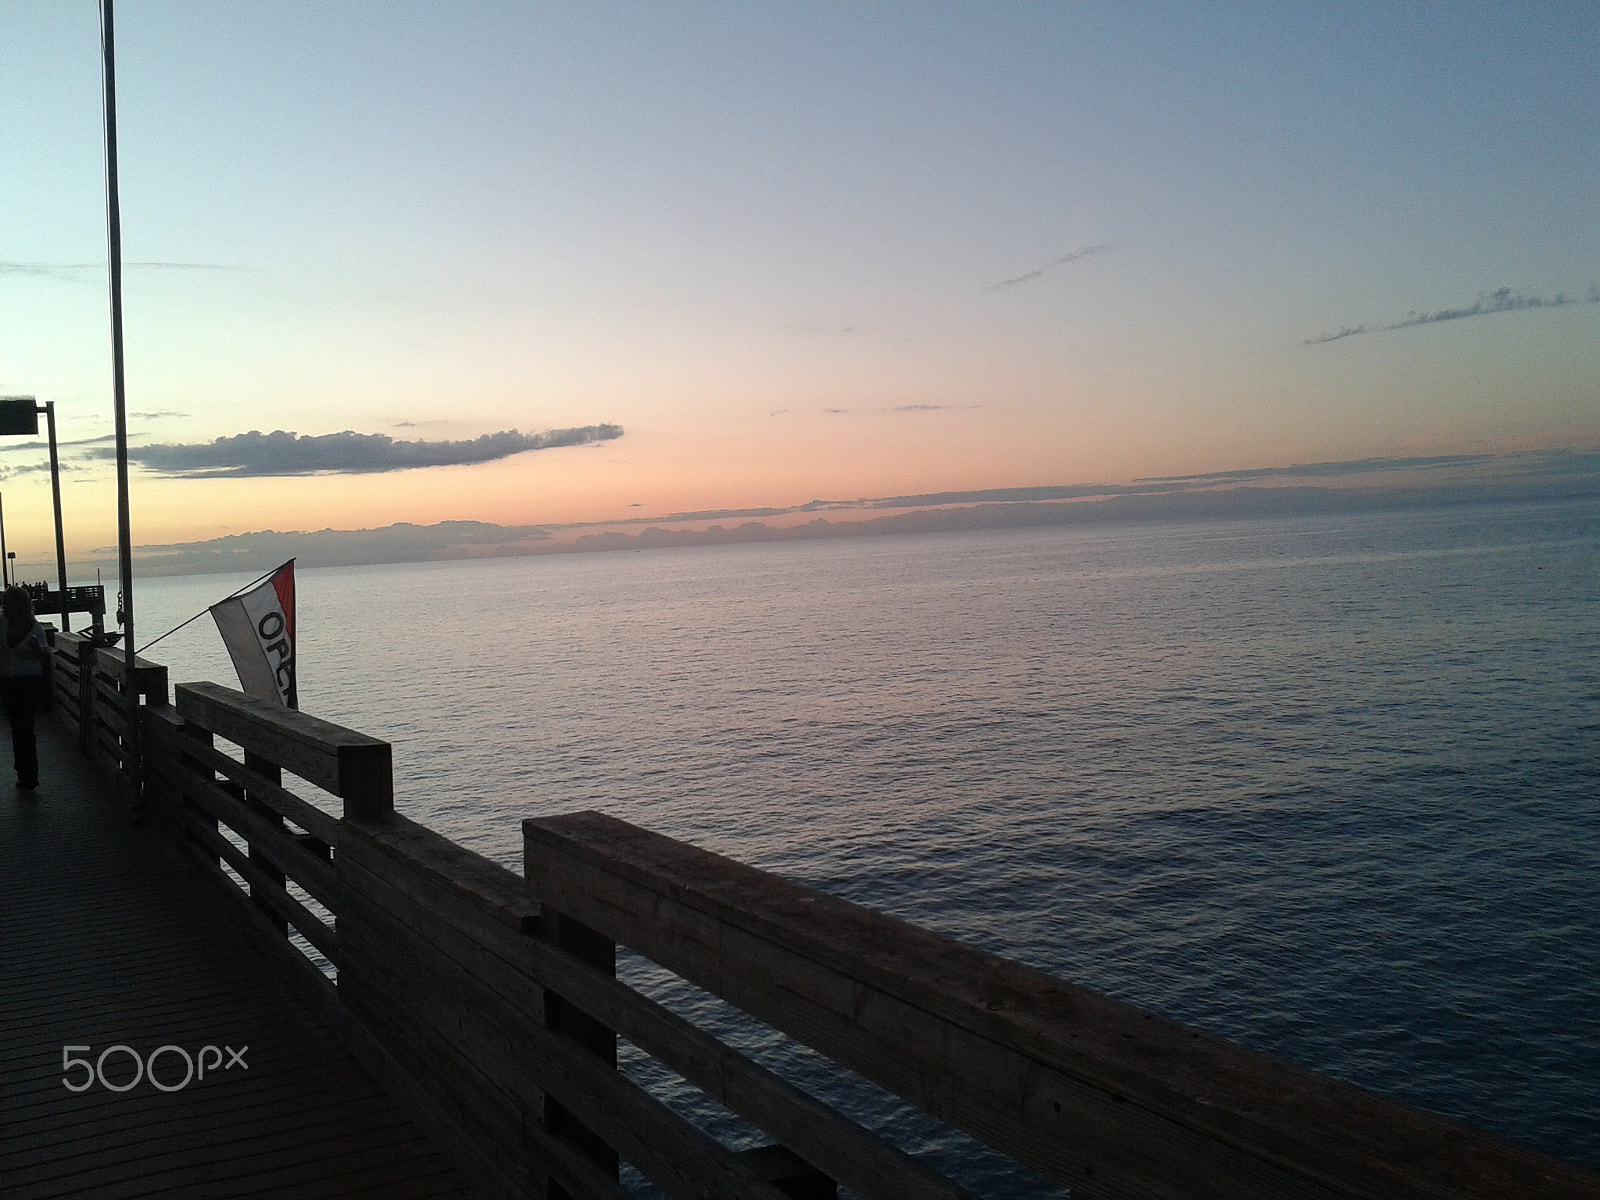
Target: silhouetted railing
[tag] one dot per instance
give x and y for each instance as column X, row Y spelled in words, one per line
column 92, row 691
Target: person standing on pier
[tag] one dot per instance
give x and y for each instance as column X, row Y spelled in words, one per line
column 24, row 657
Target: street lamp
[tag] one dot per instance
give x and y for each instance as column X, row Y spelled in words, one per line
column 20, row 415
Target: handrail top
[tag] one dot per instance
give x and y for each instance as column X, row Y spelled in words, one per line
column 110, row 659
column 973, row 986
column 339, row 760
column 201, row 698
column 114, row 662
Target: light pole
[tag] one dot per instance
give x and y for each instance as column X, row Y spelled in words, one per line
column 108, row 53
column 20, row 414
column 55, row 497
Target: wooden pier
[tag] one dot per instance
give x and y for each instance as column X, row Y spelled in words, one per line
column 108, row 937
column 486, row 1004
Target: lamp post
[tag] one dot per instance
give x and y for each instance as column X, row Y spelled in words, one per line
column 108, row 55
column 20, row 414
column 55, row 498
column 5, row 559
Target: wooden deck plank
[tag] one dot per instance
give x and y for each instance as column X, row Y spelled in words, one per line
column 40, row 1135
column 39, row 1108
column 107, row 937
column 281, row 1128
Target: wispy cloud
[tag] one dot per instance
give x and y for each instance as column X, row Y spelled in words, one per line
column 896, row 408
column 33, row 468
column 1501, row 300
column 1037, row 272
column 281, row 453
column 75, row 270
column 13, row 447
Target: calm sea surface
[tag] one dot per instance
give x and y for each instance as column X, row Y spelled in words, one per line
column 1327, row 786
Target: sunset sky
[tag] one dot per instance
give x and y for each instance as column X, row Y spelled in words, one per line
column 790, row 251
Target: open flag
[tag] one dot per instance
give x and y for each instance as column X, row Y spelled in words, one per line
column 257, row 626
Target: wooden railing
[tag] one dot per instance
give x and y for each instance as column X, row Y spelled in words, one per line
column 93, row 691
column 488, row 1003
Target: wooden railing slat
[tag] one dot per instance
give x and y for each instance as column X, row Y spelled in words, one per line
column 476, row 1092
column 515, row 971
column 317, row 875
column 465, row 1095
column 308, row 980
column 516, row 968
column 677, row 1156
column 266, row 889
column 303, row 813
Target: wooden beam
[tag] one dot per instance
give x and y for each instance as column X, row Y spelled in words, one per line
column 339, row 760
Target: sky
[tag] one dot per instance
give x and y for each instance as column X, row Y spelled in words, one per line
column 532, row 263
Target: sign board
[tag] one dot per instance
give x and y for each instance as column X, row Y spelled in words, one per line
column 19, row 414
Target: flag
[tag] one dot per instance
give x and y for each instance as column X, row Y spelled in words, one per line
column 257, row 626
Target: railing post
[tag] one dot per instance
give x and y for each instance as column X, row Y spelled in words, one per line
column 599, row 952
column 187, row 809
column 88, row 664
column 366, row 781
column 270, row 771
column 131, row 751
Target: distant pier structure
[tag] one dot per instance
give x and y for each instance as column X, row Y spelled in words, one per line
column 86, row 598
column 487, row 1005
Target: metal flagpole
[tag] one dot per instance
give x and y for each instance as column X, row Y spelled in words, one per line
column 124, row 527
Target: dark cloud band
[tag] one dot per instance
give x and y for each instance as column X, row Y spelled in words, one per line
column 281, row 454
column 1359, row 466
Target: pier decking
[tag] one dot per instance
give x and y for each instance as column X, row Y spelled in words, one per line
column 107, row 937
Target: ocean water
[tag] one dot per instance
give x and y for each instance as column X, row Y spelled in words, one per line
column 1328, row 786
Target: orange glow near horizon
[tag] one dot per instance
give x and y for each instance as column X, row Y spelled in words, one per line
column 816, row 253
